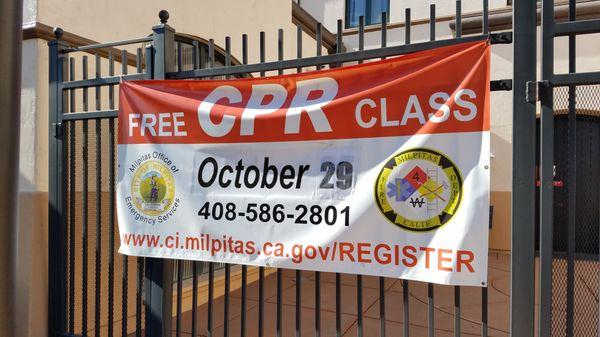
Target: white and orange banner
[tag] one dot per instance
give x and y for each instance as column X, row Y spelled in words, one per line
column 377, row 169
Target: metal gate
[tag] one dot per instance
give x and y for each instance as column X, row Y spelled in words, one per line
column 93, row 291
column 569, row 218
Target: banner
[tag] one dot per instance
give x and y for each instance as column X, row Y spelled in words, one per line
column 377, row 169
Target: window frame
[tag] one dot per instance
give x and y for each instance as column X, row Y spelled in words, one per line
column 367, row 3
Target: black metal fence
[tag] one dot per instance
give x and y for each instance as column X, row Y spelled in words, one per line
column 569, row 261
column 96, row 292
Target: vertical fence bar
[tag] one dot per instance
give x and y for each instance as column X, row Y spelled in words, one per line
column 299, row 46
column 486, row 17
column 84, row 205
column 405, row 292
column 361, row 46
column 262, row 50
column 383, row 30
column 111, row 200
column 317, row 304
column 261, row 270
column 523, row 196
column 138, row 60
column 361, row 34
column 458, row 18
column 227, row 265
column 546, row 142
column 179, row 57
column 195, row 55
column 384, row 20
column 430, row 291
column 211, row 290
column 56, row 183
column 339, row 43
column 279, row 270
column 159, row 272
column 211, row 265
column 226, row 300
column 211, row 53
column 338, row 277
column 244, row 267
column 382, row 306
column 98, row 205
column 338, row 305
column 359, row 306
column 572, row 179
column 72, row 182
column 179, row 300
column 261, row 301
column 195, row 295
column 298, row 330
column 407, row 24
column 430, row 311
column 319, row 40
column 280, row 48
column 279, row 312
column 125, row 269
column 141, row 262
column 60, row 132
column 228, row 53
column 456, row 311
column 484, row 311
column 138, row 296
column 432, row 22
column 405, row 308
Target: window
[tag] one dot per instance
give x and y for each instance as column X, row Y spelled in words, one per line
column 370, row 9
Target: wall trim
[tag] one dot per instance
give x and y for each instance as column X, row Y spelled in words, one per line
column 44, row 32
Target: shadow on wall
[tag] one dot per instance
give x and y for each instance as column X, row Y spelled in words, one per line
column 32, row 261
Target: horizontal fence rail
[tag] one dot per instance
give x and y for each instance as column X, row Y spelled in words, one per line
column 259, row 298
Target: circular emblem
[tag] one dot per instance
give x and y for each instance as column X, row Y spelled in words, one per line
column 153, row 188
column 419, row 189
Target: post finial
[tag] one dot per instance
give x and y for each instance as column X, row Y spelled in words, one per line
column 58, row 32
column 164, row 16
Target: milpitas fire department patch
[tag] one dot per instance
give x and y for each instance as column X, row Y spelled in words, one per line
column 419, row 189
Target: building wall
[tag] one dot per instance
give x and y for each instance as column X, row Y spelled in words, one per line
column 29, row 11
column 329, row 11
column 31, row 293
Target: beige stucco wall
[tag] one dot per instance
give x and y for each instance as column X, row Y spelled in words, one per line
column 32, row 274
column 115, row 20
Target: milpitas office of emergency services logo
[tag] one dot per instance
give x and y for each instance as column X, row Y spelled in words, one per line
column 419, row 189
column 153, row 188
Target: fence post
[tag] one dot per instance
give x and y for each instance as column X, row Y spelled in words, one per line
column 159, row 272
column 523, row 195
column 56, row 188
column 10, row 121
